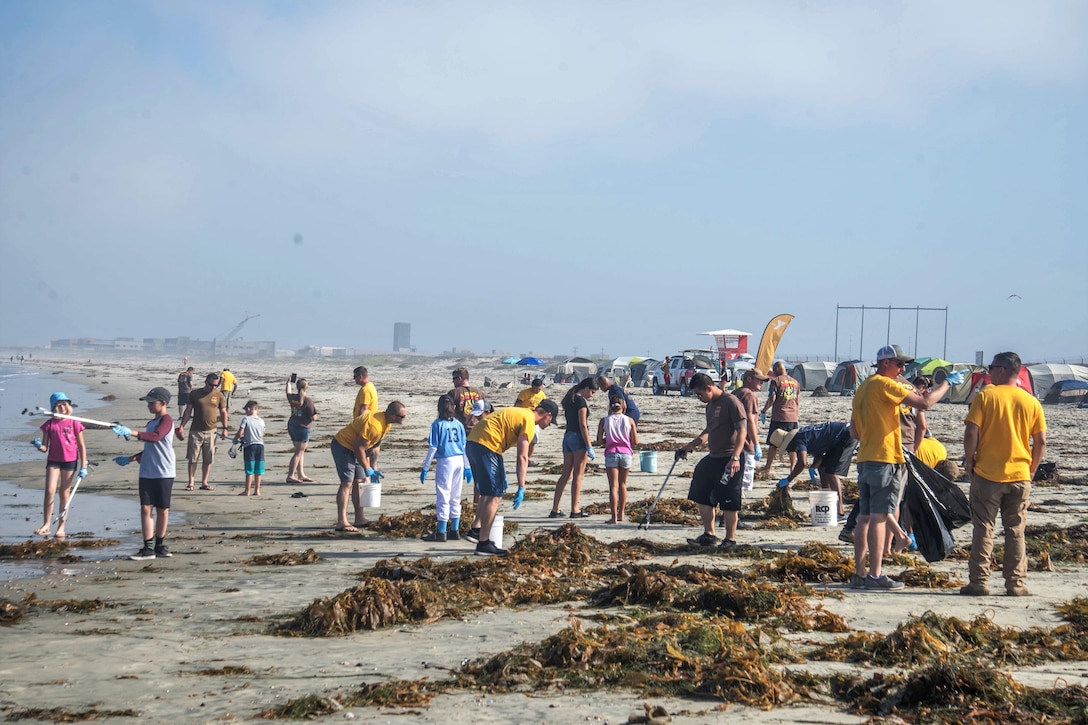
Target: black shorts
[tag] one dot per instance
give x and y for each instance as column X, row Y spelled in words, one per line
column 183, row 399
column 156, row 492
column 708, row 489
column 778, row 425
column 63, row 465
column 837, row 460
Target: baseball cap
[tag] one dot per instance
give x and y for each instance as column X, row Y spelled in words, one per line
column 549, row 406
column 892, row 352
column 57, row 398
column 160, row 394
column 479, row 408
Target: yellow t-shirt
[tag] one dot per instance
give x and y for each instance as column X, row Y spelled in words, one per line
column 502, row 429
column 227, row 381
column 931, row 452
column 371, row 426
column 876, row 415
column 365, row 400
column 530, row 398
column 1007, row 417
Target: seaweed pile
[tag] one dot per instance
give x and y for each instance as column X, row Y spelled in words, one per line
column 52, row 548
column 286, row 559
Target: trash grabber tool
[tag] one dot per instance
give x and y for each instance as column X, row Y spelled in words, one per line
column 646, row 524
column 63, row 515
column 84, row 421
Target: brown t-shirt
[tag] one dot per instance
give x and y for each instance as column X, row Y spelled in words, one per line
column 724, row 415
column 464, row 397
column 787, row 393
column 206, row 406
column 303, row 411
column 749, row 402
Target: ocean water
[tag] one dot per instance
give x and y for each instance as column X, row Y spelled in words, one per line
column 104, row 517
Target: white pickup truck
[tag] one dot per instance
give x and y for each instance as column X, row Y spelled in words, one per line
column 680, row 368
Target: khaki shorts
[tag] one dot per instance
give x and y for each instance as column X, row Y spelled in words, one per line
column 201, row 443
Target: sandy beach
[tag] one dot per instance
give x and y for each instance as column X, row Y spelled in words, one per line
column 187, row 639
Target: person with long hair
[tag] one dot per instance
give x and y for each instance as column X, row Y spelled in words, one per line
column 303, row 414
column 618, row 434
column 446, row 446
column 577, row 446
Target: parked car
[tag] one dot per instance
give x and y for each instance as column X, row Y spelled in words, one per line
column 675, row 373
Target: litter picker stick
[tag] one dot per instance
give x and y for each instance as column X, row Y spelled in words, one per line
column 85, row 421
column 63, row 515
column 646, row 524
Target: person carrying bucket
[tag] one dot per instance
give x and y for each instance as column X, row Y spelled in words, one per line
column 351, row 449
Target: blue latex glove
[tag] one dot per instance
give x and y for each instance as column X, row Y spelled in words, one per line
column 122, row 460
column 812, row 474
column 37, row 442
column 759, row 452
column 376, row 476
column 592, row 456
column 763, row 417
column 122, row 431
column 423, row 477
column 519, row 497
column 468, row 475
column 83, row 472
column 370, row 472
column 956, row 377
column 783, row 483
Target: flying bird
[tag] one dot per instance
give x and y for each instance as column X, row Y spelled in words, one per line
column 1016, row 296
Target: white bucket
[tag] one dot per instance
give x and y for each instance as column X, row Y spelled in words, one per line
column 823, row 508
column 370, row 494
column 496, row 531
column 647, row 461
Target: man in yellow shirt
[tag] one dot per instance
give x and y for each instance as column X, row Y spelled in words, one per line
column 489, row 439
column 227, row 384
column 881, row 465
column 531, row 396
column 1003, row 442
column 352, row 454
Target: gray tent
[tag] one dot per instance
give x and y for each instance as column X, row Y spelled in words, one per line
column 848, row 376
column 1044, row 375
column 642, row 373
column 575, row 369
column 812, row 375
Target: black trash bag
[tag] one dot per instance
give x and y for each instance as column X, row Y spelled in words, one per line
column 951, row 502
column 933, row 536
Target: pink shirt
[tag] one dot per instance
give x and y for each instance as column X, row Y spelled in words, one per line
column 617, row 434
column 62, row 439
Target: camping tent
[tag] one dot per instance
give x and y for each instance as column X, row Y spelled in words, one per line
column 959, row 393
column 1067, row 391
column 812, row 375
column 1044, row 375
column 574, row 369
column 642, row 372
column 618, row 370
column 981, row 378
column 848, row 376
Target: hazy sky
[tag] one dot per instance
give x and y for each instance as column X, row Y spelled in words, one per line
column 540, row 177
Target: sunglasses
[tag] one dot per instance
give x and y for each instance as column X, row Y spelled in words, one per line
column 991, row 368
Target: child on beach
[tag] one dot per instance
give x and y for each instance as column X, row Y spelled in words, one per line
column 618, row 434
column 251, row 435
column 447, row 447
column 66, row 453
column 158, row 468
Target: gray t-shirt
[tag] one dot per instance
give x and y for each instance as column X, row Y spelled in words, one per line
column 254, row 430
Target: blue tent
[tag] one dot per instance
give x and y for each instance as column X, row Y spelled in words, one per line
column 510, row 361
column 531, row 361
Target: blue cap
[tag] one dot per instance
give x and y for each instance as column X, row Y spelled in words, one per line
column 56, row 398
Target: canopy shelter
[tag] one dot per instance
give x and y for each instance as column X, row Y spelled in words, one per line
column 531, row 361
column 511, row 361
column 575, row 369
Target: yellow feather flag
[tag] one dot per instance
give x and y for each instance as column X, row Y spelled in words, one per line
column 769, row 342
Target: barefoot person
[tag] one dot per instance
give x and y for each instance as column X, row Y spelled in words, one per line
column 66, row 453
column 207, row 407
column 251, row 435
column 303, row 414
column 577, row 447
column 352, row 448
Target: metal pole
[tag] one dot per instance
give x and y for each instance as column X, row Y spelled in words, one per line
column 916, row 309
column 836, row 333
column 945, row 353
column 861, row 340
column 888, row 334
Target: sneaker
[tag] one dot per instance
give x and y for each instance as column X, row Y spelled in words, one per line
column 727, row 544
column 704, row 539
column 883, row 583
column 555, row 515
column 487, row 548
column 143, row 554
column 439, row 536
column 974, row 590
column 1020, row 591
column 473, row 535
column 453, row 535
column 162, row 551
column 857, row 582
column 846, row 535
column 742, row 524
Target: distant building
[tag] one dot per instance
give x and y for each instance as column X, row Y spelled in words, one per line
column 402, row 336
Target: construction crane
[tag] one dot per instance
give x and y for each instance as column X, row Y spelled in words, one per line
column 237, row 328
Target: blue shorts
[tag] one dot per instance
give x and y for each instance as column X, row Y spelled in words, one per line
column 253, row 455
column 488, row 471
column 573, row 442
column 617, row 460
column 347, row 468
column 298, row 433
